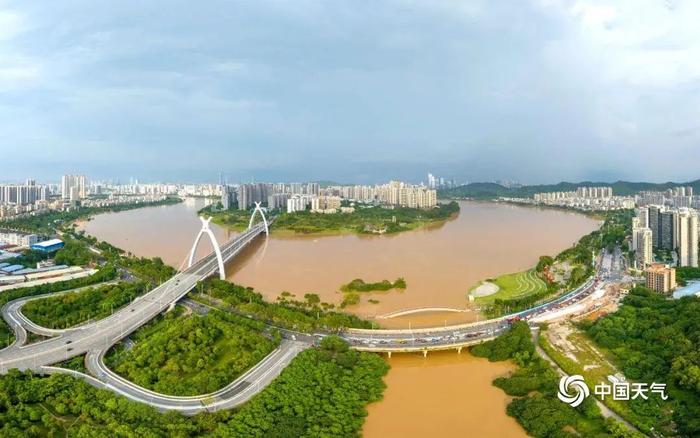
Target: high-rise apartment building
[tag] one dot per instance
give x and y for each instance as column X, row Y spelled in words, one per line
column 312, row 188
column 325, row 203
column 686, row 237
column 277, row 201
column 298, row 203
column 228, row 197
column 249, row 194
column 68, row 182
column 432, row 181
column 644, row 254
column 655, row 223
column 666, row 231
column 296, row 188
column 22, row 194
column 594, row 192
column 642, row 214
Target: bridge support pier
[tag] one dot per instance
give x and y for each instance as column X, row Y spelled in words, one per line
column 459, row 350
column 425, row 353
column 389, row 353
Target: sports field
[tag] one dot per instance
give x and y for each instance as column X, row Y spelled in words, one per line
column 515, row 285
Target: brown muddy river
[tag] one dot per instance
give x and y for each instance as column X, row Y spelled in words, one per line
column 444, row 395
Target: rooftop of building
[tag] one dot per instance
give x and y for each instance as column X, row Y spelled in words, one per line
column 9, row 231
column 48, row 243
column 658, row 267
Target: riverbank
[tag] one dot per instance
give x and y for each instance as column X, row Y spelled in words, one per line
column 49, row 222
column 534, row 387
column 593, row 214
column 509, row 286
column 424, row 395
column 553, row 276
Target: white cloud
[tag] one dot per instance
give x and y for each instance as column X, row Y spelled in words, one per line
column 396, row 77
column 641, row 42
column 17, row 72
column 229, row 67
column 594, row 15
column 11, row 24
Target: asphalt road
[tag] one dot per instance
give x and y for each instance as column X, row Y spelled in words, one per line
column 101, row 335
column 237, row 392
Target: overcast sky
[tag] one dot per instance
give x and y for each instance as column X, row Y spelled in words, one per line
column 356, row 91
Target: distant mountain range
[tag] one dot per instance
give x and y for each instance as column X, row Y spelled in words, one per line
column 492, row 190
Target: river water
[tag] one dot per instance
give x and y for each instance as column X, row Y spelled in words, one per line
column 445, row 394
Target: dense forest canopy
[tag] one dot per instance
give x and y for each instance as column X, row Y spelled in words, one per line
column 323, row 392
column 655, row 339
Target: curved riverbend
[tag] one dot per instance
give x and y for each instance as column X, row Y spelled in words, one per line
column 440, row 264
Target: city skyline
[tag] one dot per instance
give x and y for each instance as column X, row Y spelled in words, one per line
column 263, row 90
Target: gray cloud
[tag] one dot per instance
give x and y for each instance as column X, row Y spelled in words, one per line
column 538, row 90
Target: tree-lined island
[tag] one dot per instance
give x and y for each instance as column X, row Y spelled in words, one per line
column 359, row 285
column 363, row 219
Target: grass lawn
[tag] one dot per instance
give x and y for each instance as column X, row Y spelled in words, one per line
column 515, row 285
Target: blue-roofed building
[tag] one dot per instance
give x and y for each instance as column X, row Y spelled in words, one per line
column 5, row 255
column 34, row 271
column 11, row 268
column 2, row 265
column 48, row 245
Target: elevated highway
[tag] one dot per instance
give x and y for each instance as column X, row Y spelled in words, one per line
column 101, row 335
column 457, row 336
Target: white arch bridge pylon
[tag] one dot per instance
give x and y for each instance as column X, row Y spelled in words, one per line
column 206, row 230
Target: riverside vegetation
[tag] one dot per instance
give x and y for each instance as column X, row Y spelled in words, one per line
column 191, row 354
column 46, row 223
column 70, row 309
column 616, row 226
column 323, row 392
column 654, row 339
column 686, row 273
column 308, row 315
column 364, row 220
column 534, row 385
